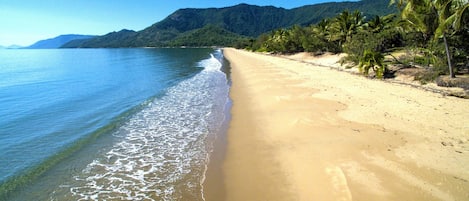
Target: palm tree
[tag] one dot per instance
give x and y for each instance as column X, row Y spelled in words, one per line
column 461, row 16
column 378, row 23
column 297, row 35
column 277, row 40
column 421, row 15
column 372, row 60
column 435, row 19
column 451, row 17
column 345, row 25
column 322, row 28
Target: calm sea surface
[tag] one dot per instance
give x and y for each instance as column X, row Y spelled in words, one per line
column 109, row 124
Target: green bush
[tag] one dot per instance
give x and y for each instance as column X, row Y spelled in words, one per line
column 372, row 60
column 378, row 42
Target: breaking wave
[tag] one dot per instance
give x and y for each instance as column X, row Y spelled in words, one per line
column 163, row 150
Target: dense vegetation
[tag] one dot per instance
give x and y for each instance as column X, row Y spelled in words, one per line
column 430, row 32
column 243, row 20
column 207, row 36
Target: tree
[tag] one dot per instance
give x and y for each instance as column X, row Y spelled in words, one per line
column 461, row 17
column 297, row 35
column 345, row 25
column 435, row 19
column 322, row 28
column 379, row 23
column 451, row 15
column 372, row 60
column 277, row 40
column 286, row 40
column 317, row 38
column 421, row 15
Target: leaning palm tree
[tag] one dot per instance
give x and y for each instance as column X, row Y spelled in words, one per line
column 435, row 19
column 461, row 17
column 451, row 18
column 421, row 15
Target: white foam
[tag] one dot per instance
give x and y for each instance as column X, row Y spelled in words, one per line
column 211, row 64
column 164, row 151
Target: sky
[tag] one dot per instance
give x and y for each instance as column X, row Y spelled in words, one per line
column 24, row 22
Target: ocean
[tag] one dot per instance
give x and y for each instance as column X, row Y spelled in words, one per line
column 109, row 124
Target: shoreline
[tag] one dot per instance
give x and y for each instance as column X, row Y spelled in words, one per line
column 300, row 132
column 213, row 184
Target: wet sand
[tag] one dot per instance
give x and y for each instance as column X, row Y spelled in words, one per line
column 303, row 132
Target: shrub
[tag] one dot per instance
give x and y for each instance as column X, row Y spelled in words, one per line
column 372, row 60
column 377, row 42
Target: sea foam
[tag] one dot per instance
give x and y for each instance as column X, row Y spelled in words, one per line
column 163, row 150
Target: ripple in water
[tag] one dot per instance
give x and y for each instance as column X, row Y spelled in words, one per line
column 164, row 150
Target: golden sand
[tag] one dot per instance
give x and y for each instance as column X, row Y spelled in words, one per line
column 303, row 132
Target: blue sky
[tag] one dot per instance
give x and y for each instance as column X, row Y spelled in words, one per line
column 23, row 22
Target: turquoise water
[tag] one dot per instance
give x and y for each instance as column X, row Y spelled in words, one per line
column 118, row 124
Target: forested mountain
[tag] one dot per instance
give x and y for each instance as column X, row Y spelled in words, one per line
column 113, row 39
column 312, row 14
column 207, row 36
column 57, row 41
column 243, row 20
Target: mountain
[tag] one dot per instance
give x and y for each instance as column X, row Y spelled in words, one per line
column 13, row 47
column 111, row 40
column 10, row 47
column 207, row 36
column 311, row 14
column 243, row 20
column 58, row 41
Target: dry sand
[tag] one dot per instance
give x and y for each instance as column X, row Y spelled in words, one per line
column 303, row 132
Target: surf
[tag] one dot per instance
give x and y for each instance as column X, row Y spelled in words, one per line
column 161, row 145
column 165, row 149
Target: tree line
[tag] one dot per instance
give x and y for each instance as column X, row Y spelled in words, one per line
column 434, row 30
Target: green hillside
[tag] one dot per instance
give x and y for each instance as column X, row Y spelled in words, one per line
column 208, row 36
column 114, row 39
column 243, row 20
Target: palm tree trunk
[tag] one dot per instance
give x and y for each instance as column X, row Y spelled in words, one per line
column 448, row 55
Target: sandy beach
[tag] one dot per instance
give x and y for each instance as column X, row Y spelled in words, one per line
column 304, row 132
